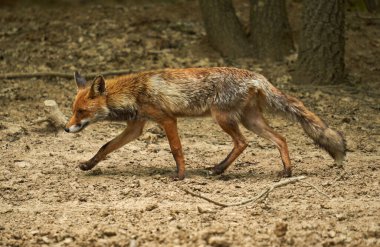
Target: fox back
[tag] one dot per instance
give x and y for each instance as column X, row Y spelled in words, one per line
column 230, row 95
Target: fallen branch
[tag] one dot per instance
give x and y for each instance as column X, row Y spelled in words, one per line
column 258, row 198
column 53, row 115
column 318, row 190
column 59, row 74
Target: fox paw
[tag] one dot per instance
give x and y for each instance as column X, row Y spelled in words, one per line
column 214, row 170
column 178, row 177
column 85, row 166
column 286, row 173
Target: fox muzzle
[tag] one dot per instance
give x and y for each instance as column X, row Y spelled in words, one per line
column 77, row 127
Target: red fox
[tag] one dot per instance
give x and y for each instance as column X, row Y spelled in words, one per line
column 230, row 95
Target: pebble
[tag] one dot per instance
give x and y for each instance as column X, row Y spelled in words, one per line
column 46, row 240
column 133, row 243
column 22, row 164
column 109, row 233
column 218, row 241
column 68, row 240
column 151, row 207
column 324, row 184
column 280, row 229
column 331, row 234
column 340, row 217
column 204, row 210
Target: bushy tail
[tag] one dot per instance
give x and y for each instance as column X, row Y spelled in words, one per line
column 332, row 141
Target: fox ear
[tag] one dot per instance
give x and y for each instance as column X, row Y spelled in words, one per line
column 79, row 80
column 98, row 87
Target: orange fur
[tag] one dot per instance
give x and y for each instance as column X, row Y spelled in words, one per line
column 231, row 96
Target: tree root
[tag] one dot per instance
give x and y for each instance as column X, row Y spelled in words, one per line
column 264, row 194
column 59, row 74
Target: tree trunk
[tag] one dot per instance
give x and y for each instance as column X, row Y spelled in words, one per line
column 223, row 28
column 271, row 35
column 372, row 5
column 321, row 48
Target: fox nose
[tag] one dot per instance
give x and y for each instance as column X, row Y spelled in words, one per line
column 67, row 130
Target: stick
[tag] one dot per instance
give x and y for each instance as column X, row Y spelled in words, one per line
column 318, row 190
column 59, row 74
column 53, row 115
column 260, row 197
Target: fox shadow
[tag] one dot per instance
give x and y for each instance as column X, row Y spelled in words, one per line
column 191, row 173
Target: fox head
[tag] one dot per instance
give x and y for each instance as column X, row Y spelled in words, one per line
column 89, row 105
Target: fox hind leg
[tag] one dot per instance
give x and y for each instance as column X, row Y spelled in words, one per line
column 231, row 127
column 254, row 121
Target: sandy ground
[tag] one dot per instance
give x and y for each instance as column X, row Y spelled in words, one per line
column 129, row 199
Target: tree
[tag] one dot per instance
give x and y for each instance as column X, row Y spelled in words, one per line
column 224, row 31
column 321, row 48
column 372, row 5
column 270, row 30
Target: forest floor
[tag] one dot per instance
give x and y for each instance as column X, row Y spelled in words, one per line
column 129, row 199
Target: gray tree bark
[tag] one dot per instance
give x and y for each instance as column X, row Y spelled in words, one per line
column 271, row 35
column 321, row 48
column 224, row 31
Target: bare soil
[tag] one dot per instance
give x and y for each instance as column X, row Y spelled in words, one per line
column 129, row 199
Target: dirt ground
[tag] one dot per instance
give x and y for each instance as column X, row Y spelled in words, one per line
column 129, row 199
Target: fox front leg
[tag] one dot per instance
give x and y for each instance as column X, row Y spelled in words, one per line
column 170, row 127
column 133, row 131
column 88, row 165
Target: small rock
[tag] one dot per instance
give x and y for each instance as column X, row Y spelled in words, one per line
column 104, row 213
column 46, row 240
column 170, row 218
column 68, row 240
column 325, row 184
column 133, row 243
column 280, row 229
column 204, row 210
column 331, row 234
column 22, row 164
column 218, row 241
column 82, row 199
column 151, row 207
column 324, row 206
column 340, row 217
column 109, row 233
column 346, row 99
column 135, row 184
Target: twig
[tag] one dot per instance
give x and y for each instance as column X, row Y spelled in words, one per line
column 318, row 190
column 59, row 74
column 204, row 198
column 260, row 197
